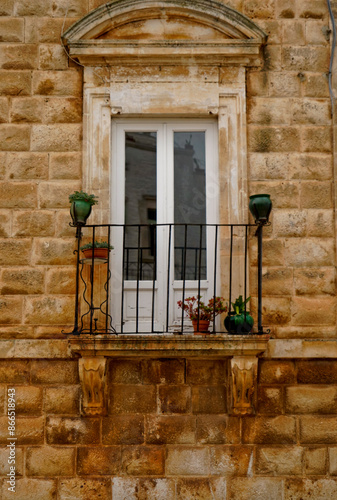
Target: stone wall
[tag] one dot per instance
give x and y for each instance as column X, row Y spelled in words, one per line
column 167, row 434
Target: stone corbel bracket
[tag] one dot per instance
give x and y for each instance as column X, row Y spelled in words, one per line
column 242, row 352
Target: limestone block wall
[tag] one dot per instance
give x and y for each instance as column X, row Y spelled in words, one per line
column 290, row 157
column 168, row 435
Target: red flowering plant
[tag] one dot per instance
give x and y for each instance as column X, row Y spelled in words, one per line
column 196, row 308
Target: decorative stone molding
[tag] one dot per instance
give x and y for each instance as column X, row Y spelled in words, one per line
column 243, row 351
column 92, row 371
column 165, row 32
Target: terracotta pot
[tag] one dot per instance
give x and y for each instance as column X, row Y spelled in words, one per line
column 99, row 253
column 203, row 326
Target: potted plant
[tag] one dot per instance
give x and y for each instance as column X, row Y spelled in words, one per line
column 200, row 313
column 81, row 204
column 100, row 249
column 239, row 321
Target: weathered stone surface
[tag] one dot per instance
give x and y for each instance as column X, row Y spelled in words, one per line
column 54, row 372
column 313, row 166
column 288, row 223
column 28, row 400
column 10, row 310
column 26, row 110
column 99, row 460
column 84, row 489
column 312, row 9
column 209, row 399
column 317, row 140
column 285, row 9
column 284, row 84
column 53, row 251
column 4, row 465
column 275, row 310
column 270, row 400
column 18, row 195
column 123, row 398
column 294, row 33
column 18, row 56
column 283, row 195
column 218, row 429
column 314, row 281
column 242, row 488
column 65, row 165
column 62, row 400
column 174, row 399
column 170, row 430
column 56, row 137
column 11, row 29
column 203, row 372
column 57, row 83
column 15, row 82
column 55, row 194
column 316, row 85
column 269, row 111
column 306, row 489
column 188, row 461
column 231, row 460
column 14, row 137
column 318, row 430
column 33, row 223
column 62, row 430
column 268, row 139
column 277, row 372
column 22, row 281
column 152, row 489
column 317, row 372
column 62, row 110
column 315, row 461
column 35, row 8
column 143, row 460
column 276, row 281
column 28, row 430
column 50, row 461
column 313, row 252
column 305, row 58
column 316, row 195
column 255, row 9
column 45, row 29
column 320, row 223
column 190, row 489
column 279, row 461
column 257, row 83
column 52, row 57
column 312, row 311
column 123, row 430
column 60, row 280
column 48, row 310
column 165, row 371
column 125, row 371
column 5, row 223
column 4, row 109
column 14, row 371
column 269, row 430
column 39, row 489
column 22, row 166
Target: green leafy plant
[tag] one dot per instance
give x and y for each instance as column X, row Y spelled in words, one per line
column 82, row 196
column 97, row 244
column 196, row 308
column 239, row 305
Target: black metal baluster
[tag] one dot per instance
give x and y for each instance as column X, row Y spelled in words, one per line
column 199, row 274
column 168, row 278
column 154, row 276
column 92, row 279
column 123, row 277
column 259, row 279
column 138, row 274
column 107, row 281
column 184, row 279
column 215, row 264
column 230, row 269
column 246, row 255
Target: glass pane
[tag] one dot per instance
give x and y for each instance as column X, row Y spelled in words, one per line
column 140, row 205
column 189, row 205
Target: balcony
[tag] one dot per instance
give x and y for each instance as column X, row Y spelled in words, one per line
column 136, row 287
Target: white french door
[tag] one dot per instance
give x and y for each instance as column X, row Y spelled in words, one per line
column 165, row 191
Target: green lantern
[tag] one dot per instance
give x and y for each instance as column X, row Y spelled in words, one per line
column 81, row 204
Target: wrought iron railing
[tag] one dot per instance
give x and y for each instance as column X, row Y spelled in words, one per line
column 211, row 257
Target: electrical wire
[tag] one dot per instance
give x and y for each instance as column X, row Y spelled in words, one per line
column 332, row 97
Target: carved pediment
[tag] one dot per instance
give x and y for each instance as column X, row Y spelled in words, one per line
column 165, row 32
